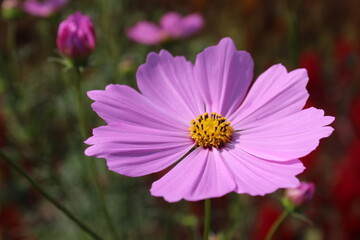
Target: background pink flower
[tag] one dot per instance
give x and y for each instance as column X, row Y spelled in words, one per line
column 172, row 26
column 147, row 33
column 43, row 8
column 177, row 26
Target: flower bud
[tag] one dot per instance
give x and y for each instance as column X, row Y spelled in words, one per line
column 76, row 37
column 301, row 194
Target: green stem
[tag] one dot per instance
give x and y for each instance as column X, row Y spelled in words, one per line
column 303, row 218
column 236, row 212
column 13, row 70
column 276, row 225
column 48, row 197
column 207, row 219
column 194, row 233
column 293, row 34
column 80, row 114
column 93, row 168
column 11, row 47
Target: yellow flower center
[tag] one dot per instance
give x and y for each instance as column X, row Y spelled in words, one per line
column 210, row 130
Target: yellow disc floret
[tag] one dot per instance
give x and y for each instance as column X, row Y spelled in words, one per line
column 210, row 130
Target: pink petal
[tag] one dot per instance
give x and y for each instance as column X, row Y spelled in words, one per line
column 120, row 103
column 201, row 175
column 192, row 24
column 256, row 176
column 223, row 75
column 145, row 32
column 168, row 81
column 275, row 94
column 171, row 23
column 43, row 8
column 287, row 138
column 137, row 150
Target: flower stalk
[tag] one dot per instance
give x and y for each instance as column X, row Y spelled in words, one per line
column 294, row 198
column 293, row 26
column 207, row 218
column 11, row 47
column 277, row 224
column 57, row 204
column 93, row 169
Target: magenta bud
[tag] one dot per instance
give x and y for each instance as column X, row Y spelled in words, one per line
column 76, row 36
column 301, row 194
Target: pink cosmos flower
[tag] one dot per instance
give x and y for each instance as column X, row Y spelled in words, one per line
column 242, row 140
column 76, row 36
column 43, row 8
column 172, row 26
column 301, row 194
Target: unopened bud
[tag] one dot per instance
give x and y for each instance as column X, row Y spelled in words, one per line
column 76, row 37
column 301, row 194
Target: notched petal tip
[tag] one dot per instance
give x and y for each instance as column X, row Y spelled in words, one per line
column 223, row 43
column 226, row 40
column 89, row 141
column 246, row 55
column 90, row 152
column 325, row 120
column 110, row 87
column 150, row 57
column 329, row 131
column 155, row 57
column 170, row 199
column 300, row 73
column 165, row 53
column 93, row 94
column 280, row 66
column 330, row 119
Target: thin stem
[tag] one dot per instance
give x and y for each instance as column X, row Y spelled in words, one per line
column 10, row 82
column 80, row 114
column 48, row 197
column 207, row 219
column 303, row 218
column 236, row 213
column 93, row 168
column 293, row 34
column 276, row 225
column 194, row 233
column 11, row 47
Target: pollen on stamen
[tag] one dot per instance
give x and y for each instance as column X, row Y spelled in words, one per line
column 210, row 130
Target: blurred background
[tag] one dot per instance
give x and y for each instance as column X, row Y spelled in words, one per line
column 39, row 129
